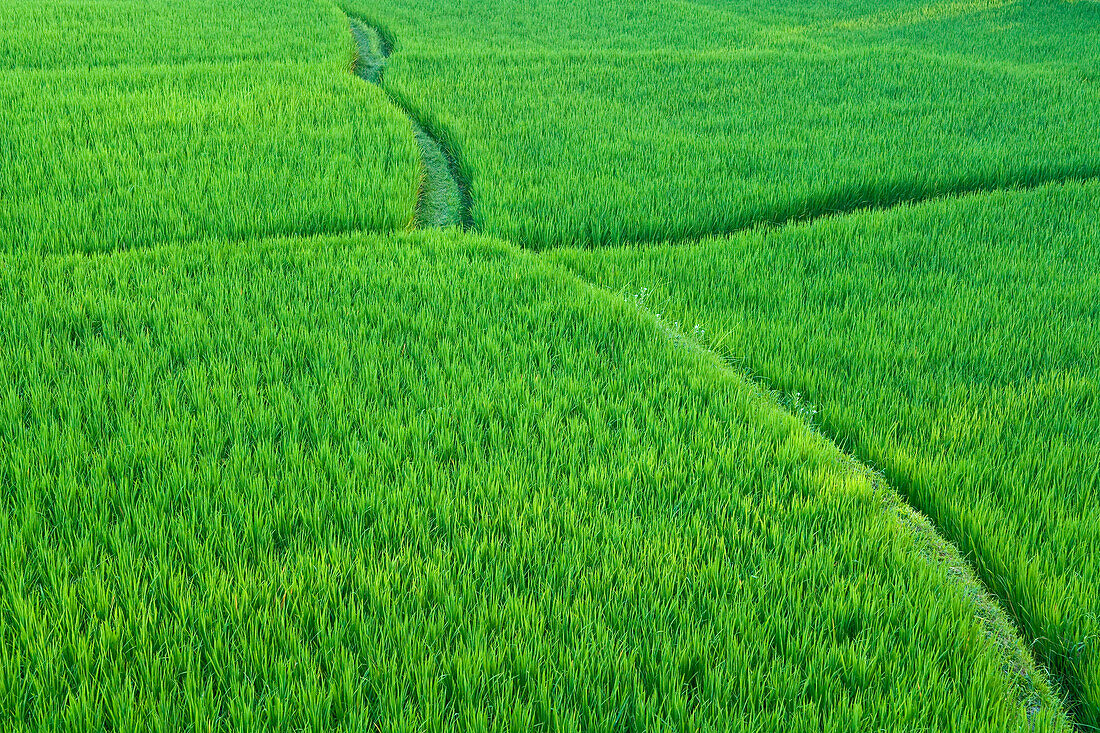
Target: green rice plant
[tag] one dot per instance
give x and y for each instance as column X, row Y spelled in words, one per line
column 571, row 135
column 953, row 344
column 103, row 159
column 82, row 33
column 533, row 28
column 1043, row 33
column 435, row 483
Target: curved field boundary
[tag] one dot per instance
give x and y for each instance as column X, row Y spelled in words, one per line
column 1034, row 686
column 845, row 204
column 444, row 198
column 812, row 214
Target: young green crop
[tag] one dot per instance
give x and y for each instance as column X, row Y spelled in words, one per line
column 78, row 33
column 433, row 483
column 572, row 135
column 116, row 158
column 1011, row 33
column 527, row 28
column 1049, row 34
column 194, row 120
column 954, row 344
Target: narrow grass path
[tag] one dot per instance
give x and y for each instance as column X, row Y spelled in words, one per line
column 443, row 199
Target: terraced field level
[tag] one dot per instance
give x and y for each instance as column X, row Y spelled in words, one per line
column 580, row 366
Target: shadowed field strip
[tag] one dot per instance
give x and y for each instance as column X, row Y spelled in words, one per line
column 443, row 199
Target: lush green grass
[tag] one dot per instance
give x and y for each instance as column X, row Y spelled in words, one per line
column 591, row 132
column 103, row 159
column 567, row 25
column 432, row 483
column 435, row 482
column 1045, row 33
column 954, row 344
column 80, row 33
column 134, row 154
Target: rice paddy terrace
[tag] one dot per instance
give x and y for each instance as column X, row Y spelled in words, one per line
column 556, row 365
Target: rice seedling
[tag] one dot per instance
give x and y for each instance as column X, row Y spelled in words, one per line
column 77, row 33
column 953, row 344
column 353, row 478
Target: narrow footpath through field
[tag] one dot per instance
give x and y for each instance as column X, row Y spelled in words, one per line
column 443, row 199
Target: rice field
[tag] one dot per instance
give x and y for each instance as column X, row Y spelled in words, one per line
column 954, row 345
column 105, row 159
column 66, row 34
column 104, row 153
column 742, row 378
column 705, row 124
column 262, row 486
